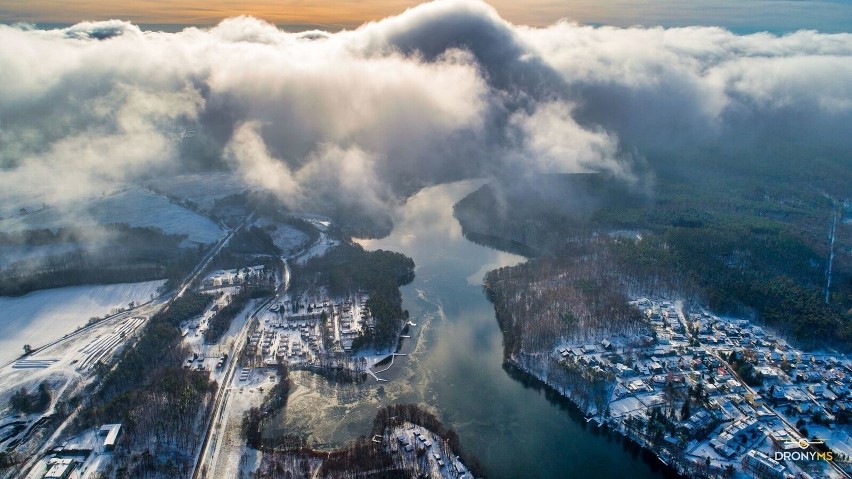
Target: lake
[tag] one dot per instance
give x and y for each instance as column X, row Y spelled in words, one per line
column 516, row 427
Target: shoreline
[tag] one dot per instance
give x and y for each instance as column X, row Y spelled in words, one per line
column 529, row 378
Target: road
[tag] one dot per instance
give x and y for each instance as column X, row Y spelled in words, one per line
column 156, row 302
column 215, row 426
column 792, row 430
column 154, row 305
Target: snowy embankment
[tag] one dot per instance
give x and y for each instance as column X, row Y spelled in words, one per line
column 133, row 206
column 537, row 367
column 43, row 316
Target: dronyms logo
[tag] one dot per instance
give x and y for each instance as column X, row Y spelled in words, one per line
column 804, row 454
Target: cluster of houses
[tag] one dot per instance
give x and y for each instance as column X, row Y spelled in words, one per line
column 411, row 440
column 295, row 343
column 82, row 453
column 233, row 277
column 747, row 389
column 302, row 330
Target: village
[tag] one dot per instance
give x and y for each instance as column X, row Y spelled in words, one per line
column 722, row 394
column 412, row 444
column 303, row 329
column 299, row 329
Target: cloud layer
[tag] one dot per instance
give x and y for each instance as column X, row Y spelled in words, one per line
column 362, row 118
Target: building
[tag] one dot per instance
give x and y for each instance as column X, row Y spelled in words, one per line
column 762, row 466
column 110, row 433
column 59, row 468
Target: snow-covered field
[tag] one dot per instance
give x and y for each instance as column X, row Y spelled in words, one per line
column 43, row 316
column 134, row 206
column 202, row 188
column 286, row 237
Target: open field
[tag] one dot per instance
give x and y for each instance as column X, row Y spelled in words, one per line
column 43, row 316
column 202, row 189
column 133, row 206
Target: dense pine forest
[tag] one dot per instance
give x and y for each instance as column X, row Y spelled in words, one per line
column 742, row 247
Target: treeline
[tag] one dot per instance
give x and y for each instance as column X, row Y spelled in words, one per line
column 30, row 402
column 120, row 254
column 43, row 237
column 156, row 400
column 253, row 240
column 253, row 419
column 218, row 325
column 346, row 269
column 578, row 298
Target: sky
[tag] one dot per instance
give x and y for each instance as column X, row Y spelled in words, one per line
column 737, row 15
column 359, row 119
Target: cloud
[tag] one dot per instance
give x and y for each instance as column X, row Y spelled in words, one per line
column 360, row 119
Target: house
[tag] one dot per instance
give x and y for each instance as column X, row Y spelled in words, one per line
column 762, row 466
column 697, row 424
column 637, row 385
column 838, row 388
column 733, row 385
column 111, row 433
column 59, row 468
column 816, row 389
column 754, row 399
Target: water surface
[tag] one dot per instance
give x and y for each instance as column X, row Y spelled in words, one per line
column 515, row 427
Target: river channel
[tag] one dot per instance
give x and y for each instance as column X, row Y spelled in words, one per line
column 516, row 427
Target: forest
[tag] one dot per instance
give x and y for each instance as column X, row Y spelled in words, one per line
column 124, row 255
column 742, row 246
column 575, row 298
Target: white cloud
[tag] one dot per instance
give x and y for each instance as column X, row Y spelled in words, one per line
column 444, row 91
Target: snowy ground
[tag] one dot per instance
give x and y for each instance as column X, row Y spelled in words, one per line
column 43, row 316
column 233, row 459
column 320, row 222
column 202, row 188
column 134, row 206
column 318, row 249
column 284, row 236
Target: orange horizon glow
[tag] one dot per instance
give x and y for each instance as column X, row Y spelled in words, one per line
column 744, row 17
column 332, row 13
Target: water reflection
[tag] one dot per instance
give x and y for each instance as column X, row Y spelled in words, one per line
column 516, row 426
